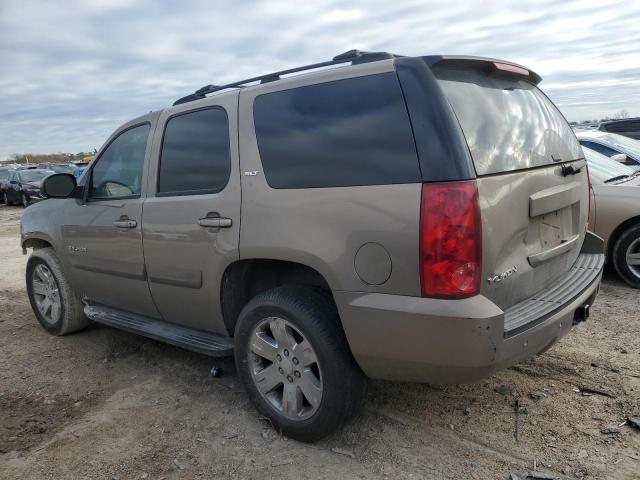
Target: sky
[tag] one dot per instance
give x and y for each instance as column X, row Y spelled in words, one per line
column 71, row 72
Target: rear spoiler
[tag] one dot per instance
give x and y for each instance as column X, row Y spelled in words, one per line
column 482, row 63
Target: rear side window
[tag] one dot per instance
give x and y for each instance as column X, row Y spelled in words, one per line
column 336, row 134
column 195, row 155
column 599, row 148
column 509, row 124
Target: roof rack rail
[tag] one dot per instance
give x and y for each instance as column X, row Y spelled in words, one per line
column 352, row 56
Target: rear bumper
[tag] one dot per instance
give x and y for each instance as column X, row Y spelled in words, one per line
column 417, row 339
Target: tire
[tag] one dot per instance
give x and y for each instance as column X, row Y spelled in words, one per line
column 69, row 317
column 628, row 243
column 6, row 199
column 307, row 314
column 24, row 199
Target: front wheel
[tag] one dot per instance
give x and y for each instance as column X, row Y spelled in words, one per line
column 5, row 198
column 54, row 303
column 25, row 200
column 626, row 256
column 294, row 361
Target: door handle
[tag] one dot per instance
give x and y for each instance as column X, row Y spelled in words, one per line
column 215, row 222
column 125, row 223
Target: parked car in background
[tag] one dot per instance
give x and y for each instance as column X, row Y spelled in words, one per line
column 615, row 213
column 329, row 226
column 80, row 168
column 63, row 167
column 4, row 179
column 629, row 127
column 622, row 149
column 24, row 186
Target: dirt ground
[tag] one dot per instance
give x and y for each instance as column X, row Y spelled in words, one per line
column 107, row 404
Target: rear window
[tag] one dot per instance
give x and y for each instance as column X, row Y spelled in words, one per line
column 509, row 124
column 343, row 133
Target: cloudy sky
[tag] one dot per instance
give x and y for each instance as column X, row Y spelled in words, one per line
column 71, row 72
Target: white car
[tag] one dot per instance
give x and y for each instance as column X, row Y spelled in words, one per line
column 623, row 149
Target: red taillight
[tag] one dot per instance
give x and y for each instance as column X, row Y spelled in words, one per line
column 450, row 240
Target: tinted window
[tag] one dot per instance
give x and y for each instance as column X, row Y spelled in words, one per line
column 342, row 133
column 509, row 124
column 600, row 148
column 118, row 172
column 195, row 153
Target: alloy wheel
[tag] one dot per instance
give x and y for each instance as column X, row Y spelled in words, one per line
column 633, row 257
column 285, row 368
column 46, row 294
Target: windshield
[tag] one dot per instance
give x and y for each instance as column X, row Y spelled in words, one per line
column 34, row 175
column 602, row 168
column 509, row 124
column 4, row 174
column 628, row 144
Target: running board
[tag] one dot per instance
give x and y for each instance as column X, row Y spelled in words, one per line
column 196, row 340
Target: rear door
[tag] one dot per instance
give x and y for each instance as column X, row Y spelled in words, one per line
column 191, row 220
column 534, row 207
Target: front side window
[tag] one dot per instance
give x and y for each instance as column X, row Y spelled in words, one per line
column 342, row 133
column 118, row 171
column 195, row 156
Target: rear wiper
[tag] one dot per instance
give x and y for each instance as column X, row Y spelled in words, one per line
column 615, row 179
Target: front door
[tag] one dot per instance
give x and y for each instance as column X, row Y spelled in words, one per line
column 191, row 222
column 103, row 233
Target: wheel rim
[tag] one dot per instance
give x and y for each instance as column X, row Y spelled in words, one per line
column 285, row 368
column 46, row 294
column 633, row 257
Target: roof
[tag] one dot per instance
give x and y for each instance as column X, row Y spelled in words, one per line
column 355, row 57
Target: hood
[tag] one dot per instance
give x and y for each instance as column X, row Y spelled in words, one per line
column 36, row 184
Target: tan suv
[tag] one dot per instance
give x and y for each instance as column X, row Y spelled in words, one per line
column 405, row 218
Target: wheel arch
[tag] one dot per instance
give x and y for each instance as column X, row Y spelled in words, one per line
column 35, row 242
column 244, row 279
column 619, row 230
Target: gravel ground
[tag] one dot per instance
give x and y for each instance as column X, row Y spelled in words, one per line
column 107, row 404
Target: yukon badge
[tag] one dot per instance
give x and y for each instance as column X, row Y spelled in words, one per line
column 501, row 276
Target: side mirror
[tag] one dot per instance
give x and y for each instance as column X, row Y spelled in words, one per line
column 58, row 185
column 14, row 182
column 619, row 157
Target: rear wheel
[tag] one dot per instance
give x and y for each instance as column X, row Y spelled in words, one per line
column 294, row 361
column 626, row 256
column 54, row 303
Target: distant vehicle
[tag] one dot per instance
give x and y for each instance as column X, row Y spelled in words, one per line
column 64, row 168
column 615, row 213
column 24, row 186
column 629, row 127
column 80, row 168
column 622, row 149
column 4, row 179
